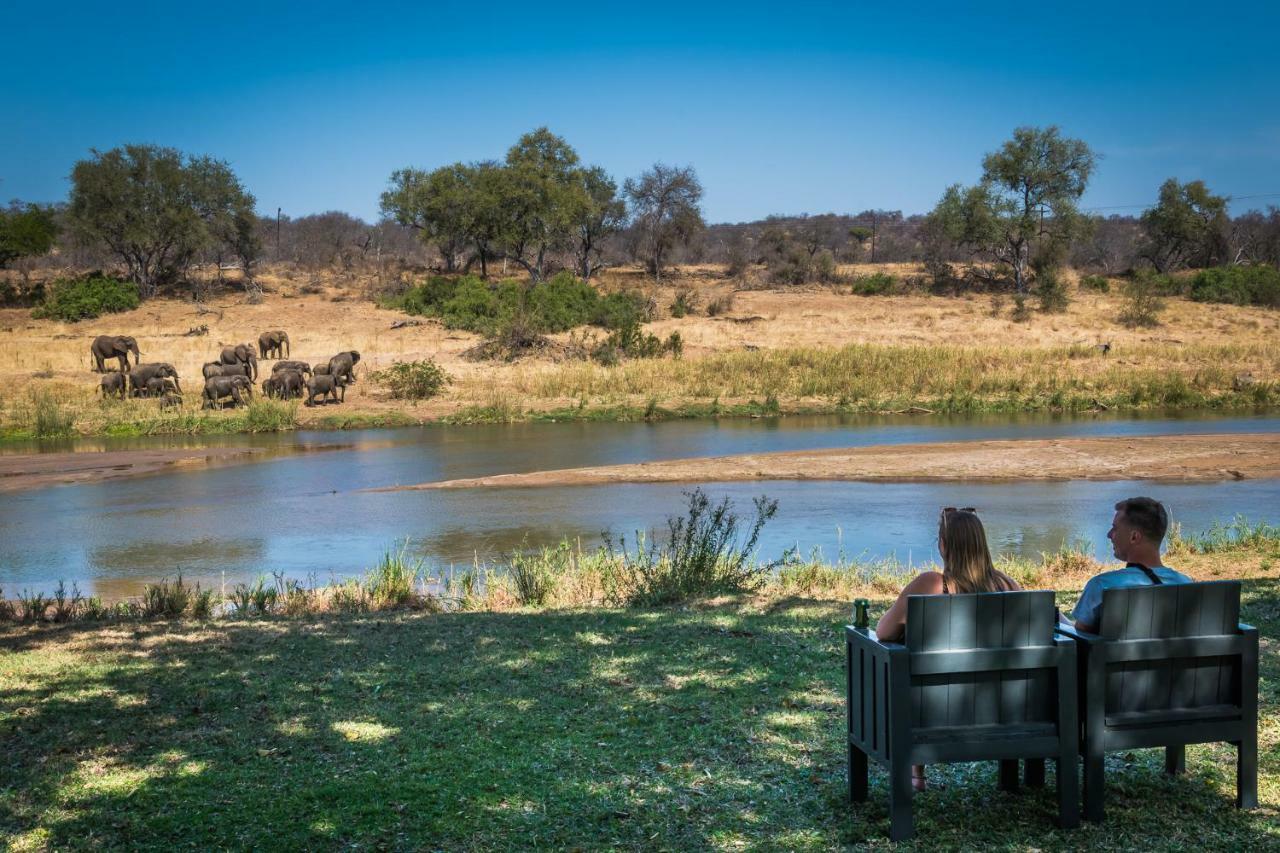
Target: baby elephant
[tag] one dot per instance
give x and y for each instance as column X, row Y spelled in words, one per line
column 159, row 386
column 113, row 384
column 325, row 386
column 171, row 401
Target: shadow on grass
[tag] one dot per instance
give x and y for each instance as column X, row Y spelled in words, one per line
column 717, row 726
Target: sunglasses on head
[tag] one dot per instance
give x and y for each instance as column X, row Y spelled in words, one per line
column 947, row 510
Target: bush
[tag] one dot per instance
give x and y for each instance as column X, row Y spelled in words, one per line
column 702, row 554
column 722, row 304
column 391, row 582
column 875, row 284
column 87, row 297
column 1096, row 283
column 50, row 421
column 428, row 298
column 685, row 303
column 165, row 599
column 473, row 307
column 1252, row 285
column 561, row 303
column 633, row 342
column 1051, row 291
column 1142, row 299
column 621, row 310
column 533, row 576
column 413, row 380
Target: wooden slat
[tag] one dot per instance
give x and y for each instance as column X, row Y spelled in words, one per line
column 1182, row 715
column 1182, row 680
column 983, row 660
column 1137, row 677
column 962, row 620
column 935, row 635
column 1213, row 603
column 1013, row 687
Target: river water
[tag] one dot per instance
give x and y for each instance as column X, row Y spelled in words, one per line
column 305, row 514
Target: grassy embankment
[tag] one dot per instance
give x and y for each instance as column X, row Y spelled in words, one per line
column 718, row 724
column 774, row 352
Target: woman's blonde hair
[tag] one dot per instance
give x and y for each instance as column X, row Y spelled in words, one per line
column 966, row 560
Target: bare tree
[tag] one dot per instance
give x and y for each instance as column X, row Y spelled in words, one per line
column 665, row 200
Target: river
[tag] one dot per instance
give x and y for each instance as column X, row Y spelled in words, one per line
column 306, row 514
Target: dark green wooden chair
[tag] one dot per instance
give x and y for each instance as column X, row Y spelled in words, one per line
column 978, row 678
column 1170, row 665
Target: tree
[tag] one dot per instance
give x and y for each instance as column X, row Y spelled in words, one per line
column 544, row 200
column 153, row 210
column 435, row 204
column 1187, row 227
column 1025, row 201
column 665, row 201
column 604, row 214
column 26, row 231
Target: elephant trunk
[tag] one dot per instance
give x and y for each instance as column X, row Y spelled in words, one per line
column 287, row 352
column 137, row 356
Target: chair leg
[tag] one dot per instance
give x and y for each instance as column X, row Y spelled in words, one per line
column 1093, row 786
column 1009, row 774
column 857, row 775
column 1068, row 791
column 1175, row 759
column 1247, row 771
column 1033, row 773
column 901, row 824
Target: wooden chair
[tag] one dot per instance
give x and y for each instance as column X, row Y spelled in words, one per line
column 1170, row 665
column 979, row 677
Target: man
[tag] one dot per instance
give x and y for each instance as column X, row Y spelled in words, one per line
column 1137, row 529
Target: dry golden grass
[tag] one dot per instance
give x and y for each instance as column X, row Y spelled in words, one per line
column 780, row 341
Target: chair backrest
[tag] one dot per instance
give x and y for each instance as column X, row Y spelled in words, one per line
column 1171, row 611
column 988, row 620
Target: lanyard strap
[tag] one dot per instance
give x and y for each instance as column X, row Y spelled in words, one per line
column 1151, row 575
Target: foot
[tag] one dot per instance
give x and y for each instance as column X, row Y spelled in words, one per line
column 917, row 777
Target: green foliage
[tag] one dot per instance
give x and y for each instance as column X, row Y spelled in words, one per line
column 875, row 284
column 1238, row 534
column 391, row 582
column 1051, row 290
column 1187, row 226
column 1096, row 283
column 561, row 303
column 476, row 306
column 702, row 554
column 258, row 597
column 154, row 210
column 270, row 415
column 413, row 380
column 1238, row 285
column 87, row 297
column 533, row 575
column 665, row 200
column 620, row 310
column 1021, row 313
column 630, row 341
column 684, row 303
column 26, row 232
column 165, row 600
column 428, row 299
column 1142, row 299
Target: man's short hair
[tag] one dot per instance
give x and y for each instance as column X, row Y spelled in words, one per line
column 1146, row 515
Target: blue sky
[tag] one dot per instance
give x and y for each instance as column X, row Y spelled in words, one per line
column 781, row 108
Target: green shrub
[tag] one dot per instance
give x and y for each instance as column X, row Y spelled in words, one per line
column 631, row 341
column 684, row 304
column 1142, row 299
column 701, row 555
column 413, row 380
column 533, row 576
column 561, row 303
column 473, row 307
column 1051, row 291
column 1097, row 283
column 390, row 583
column 51, row 420
column 270, row 416
column 621, row 310
column 1252, row 285
column 165, row 599
column 428, row 298
column 86, row 297
column 875, row 284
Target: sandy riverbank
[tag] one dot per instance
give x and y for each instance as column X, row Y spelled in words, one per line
column 1172, row 458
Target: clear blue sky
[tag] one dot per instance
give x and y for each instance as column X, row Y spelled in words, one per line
column 780, row 107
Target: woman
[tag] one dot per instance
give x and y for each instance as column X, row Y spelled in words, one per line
column 966, row 567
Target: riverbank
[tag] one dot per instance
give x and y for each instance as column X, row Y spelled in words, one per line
column 713, row 725
column 773, row 352
column 1162, row 458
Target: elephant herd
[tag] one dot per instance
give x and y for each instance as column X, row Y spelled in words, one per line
column 230, row 378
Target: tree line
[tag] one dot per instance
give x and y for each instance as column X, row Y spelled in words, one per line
column 155, row 212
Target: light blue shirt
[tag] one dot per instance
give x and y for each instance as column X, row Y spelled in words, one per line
column 1089, row 609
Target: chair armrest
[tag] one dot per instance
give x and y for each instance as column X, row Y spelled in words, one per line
column 868, row 636
column 1076, row 634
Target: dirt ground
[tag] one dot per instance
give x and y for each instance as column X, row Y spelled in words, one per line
column 1169, row 458
column 327, row 314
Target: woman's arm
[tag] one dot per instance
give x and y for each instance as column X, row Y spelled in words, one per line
column 890, row 626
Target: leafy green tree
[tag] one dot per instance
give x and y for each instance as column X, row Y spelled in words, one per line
column 603, row 214
column 665, row 204
column 544, row 200
column 437, row 204
column 155, row 210
column 1026, row 200
column 1187, row 227
column 26, row 231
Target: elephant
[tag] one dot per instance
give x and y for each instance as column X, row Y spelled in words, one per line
column 300, row 366
column 325, row 386
column 144, row 373
column 242, row 354
column 114, row 346
column 271, row 386
column 171, row 401
column 218, row 387
column 290, row 383
column 320, row 369
column 344, row 365
column 159, row 386
column 270, row 344
column 115, row 384
column 217, row 368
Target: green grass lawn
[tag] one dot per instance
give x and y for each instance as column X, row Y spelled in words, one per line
column 719, row 726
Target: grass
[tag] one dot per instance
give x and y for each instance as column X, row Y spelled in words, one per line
column 717, row 725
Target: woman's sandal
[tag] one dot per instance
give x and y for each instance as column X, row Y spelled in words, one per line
column 917, row 777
